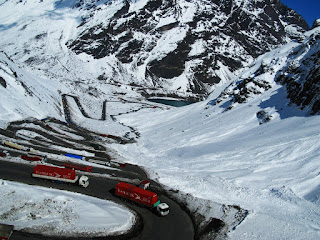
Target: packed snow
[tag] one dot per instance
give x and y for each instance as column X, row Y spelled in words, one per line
column 230, row 157
column 272, row 170
column 54, row 212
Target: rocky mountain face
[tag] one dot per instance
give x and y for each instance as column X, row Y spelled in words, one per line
column 302, row 75
column 316, row 23
column 184, row 46
column 291, row 71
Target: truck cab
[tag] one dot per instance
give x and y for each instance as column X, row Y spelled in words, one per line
column 163, row 209
column 84, row 181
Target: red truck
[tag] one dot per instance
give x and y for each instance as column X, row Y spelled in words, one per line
column 30, row 158
column 145, row 184
column 77, row 167
column 59, row 174
column 142, row 196
column 3, row 154
column 5, row 231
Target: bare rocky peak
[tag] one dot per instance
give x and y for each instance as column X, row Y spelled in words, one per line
column 160, row 42
column 316, row 23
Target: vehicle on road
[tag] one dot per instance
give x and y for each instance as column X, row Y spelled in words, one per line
column 31, row 158
column 3, row 154
column 145, row 184
column 13, row 145
column 75, row 156
column 142, row 196
column 5, row 231
column 77, row 167
column 17, row 146
column 59, row 174
column 105, row 163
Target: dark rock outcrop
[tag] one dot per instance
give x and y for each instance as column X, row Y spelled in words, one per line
column 316, row 23
column 212, row 37
column 302, row 77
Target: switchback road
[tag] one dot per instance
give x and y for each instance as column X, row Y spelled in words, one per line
column 177, row 225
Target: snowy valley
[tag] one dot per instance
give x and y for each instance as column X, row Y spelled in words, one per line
column 251, row 144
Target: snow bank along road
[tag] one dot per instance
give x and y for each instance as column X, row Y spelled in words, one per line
column 54, row 139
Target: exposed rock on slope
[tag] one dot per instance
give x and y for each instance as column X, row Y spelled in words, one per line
column 302, row 75
column 316, row 23
column 294, row 67
column 183, row 45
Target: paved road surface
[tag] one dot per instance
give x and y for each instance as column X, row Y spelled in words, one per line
column 177, row 225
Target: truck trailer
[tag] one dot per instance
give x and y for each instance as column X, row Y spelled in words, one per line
column 18, row 147
column 142, row 196
column 77, row 167
column 3, row 154
column 59, row 174
column 31, row 158
column 14, row 145
column 75, row 156
column 5, row 231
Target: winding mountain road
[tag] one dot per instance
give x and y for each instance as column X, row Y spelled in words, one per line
column 177, row 225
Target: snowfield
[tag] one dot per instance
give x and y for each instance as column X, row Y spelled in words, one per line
column 60, row 213
column 272, row 170
column 226, row 152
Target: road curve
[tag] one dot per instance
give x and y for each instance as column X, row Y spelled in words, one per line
column 177, row 225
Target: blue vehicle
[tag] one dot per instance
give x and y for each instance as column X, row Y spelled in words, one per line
column 74, row 156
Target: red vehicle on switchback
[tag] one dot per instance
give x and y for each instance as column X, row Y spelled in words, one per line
column 142, row 196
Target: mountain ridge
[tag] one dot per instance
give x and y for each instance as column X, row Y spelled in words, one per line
column 232, row 26
column 162, row 46
column 294, row 68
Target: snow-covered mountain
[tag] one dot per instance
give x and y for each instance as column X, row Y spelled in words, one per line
column 172, row 47
column 296, row 66
column 248, row 145
column 253, row 143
